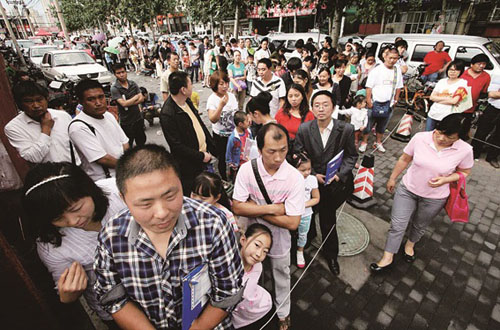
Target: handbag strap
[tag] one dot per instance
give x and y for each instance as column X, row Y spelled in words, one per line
column 259, row 182
column 394, row 81
column 461, row 180
column 73, row 160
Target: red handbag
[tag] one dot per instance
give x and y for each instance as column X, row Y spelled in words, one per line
column 457, row 205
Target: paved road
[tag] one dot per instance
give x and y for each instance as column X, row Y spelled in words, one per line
column 454, row 284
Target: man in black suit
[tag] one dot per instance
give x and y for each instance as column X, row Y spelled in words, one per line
column 322, row 139
column 189, row 140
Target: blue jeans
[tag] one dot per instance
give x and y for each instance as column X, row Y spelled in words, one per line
column 433, row 77
column 430, row 124
column 305, row 222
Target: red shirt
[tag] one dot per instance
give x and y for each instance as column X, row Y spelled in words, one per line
column 436, row 61
column 478, row 85
column 292, row 123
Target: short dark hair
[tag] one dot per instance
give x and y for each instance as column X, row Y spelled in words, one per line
column 28, row 88
column 260, row 103
column 233, row 40
column 215, row 78
column 47, row 202
column 458, row 64
column 264, row 39
column 239, row 117
column 339, row 63
column 118, row 66
column 84, row 85
column 176, row 81
column 323, row 92
column 170, row 54
column 299, row 43
column 480, row 58
column 143, row 160
column 277, row 130
column 401, row 42
column 293, row 64
column 439, row 42
column 266, row 61
column 454, row 123
column 358, row 99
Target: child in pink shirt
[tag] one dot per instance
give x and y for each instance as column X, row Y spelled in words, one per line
column 256, row 308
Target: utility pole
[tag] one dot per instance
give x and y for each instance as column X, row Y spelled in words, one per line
column 20, row 18
column 28, row 16
column 61, row 19
column 12, row 35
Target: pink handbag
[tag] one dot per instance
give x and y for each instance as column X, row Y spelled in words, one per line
column 457, row 205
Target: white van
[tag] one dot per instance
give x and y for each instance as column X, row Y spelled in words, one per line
column 288, row 40
column 458, row 47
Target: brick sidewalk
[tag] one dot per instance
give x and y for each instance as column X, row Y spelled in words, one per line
column 453, row 284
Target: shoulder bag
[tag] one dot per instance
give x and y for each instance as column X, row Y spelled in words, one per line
column 457, row 205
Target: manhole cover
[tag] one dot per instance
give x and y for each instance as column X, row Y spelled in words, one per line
column 353, row 235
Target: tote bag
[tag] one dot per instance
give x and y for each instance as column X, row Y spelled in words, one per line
column 457, row 205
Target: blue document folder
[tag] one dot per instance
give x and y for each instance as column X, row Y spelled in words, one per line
column 195, row 290
column 333, row 167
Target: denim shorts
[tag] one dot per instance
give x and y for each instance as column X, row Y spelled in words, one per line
column 380, row 121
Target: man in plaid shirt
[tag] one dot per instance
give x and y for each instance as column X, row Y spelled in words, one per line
column 144, row 253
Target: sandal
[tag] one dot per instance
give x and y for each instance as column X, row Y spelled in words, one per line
column 285, row 323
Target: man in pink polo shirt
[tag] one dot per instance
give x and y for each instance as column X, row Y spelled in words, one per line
column 285, row 187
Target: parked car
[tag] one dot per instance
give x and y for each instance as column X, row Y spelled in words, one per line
column 354, row 37
column 62, row 65
column 288, row 40
column 86, row 48
column 24, row 44
column 35, row 53
column 460, row 47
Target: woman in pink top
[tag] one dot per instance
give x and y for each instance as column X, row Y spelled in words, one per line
column 256, row 308
column 436, row 156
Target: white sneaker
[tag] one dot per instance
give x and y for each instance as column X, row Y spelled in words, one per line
column 301, row 262
column 362, row 147
column 379, row 147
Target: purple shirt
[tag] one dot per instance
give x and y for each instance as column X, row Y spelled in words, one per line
column 429, row 163
column 285, row 186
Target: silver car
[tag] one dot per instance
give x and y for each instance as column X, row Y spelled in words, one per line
column 73, row 65
column 36, row 53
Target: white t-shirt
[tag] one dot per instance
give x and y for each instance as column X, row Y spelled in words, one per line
column 381, row 79
column 359, row 117
column 438, row 110
column 225, row 125
column 261, row 53
column 295, row 53
column 494, row 87
column 109, row 139
column 276, row 87
column 310, row 183
column 80, row 245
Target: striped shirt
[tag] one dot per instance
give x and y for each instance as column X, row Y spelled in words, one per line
column 276, row 87
column 128, row 268
column 80, row 245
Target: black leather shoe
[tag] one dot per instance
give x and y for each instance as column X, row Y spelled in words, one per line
column 374, row 267
column 408, row 258
column 494, row 163
column 334, row 267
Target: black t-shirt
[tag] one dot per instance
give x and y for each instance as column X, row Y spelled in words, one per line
column 132, row 114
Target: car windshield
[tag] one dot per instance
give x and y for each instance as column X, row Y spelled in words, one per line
column 68, row 59
column 82, row 46
column 39, row 52
column 494, row 49
column 26, row 43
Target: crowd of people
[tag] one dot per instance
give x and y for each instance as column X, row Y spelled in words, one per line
column 124, row 225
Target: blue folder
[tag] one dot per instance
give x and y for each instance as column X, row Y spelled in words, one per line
column 195, row 290
column 333, row 167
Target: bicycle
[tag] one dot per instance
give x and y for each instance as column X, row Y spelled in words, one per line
column 417, row 94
